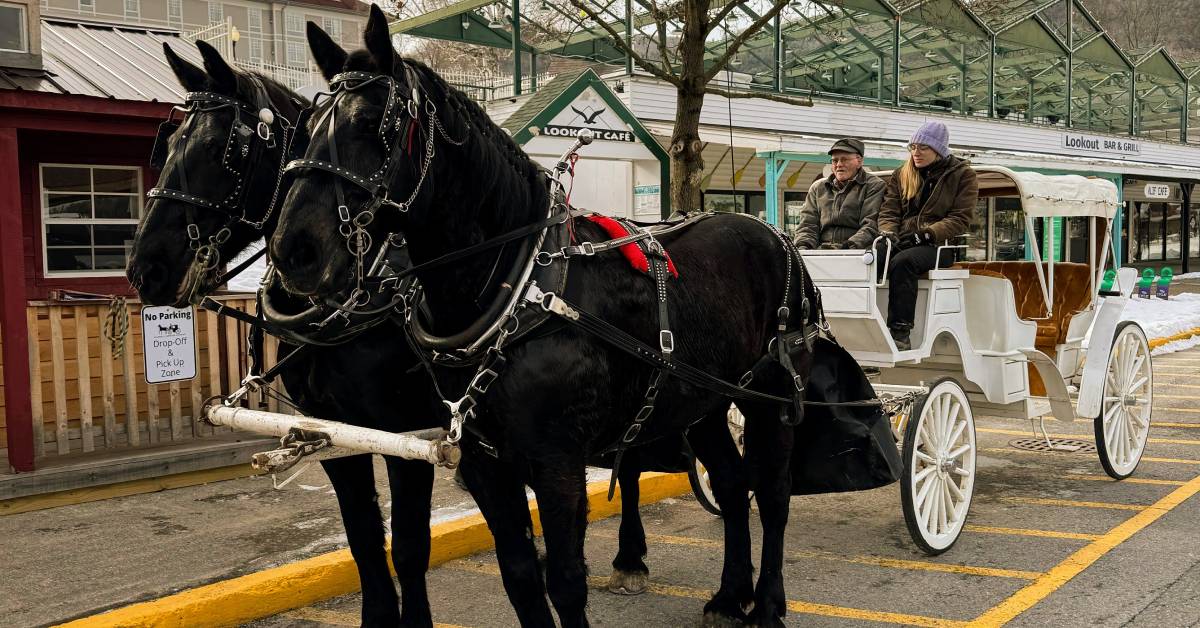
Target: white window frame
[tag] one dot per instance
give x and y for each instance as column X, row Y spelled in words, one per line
column 175, row 12
column 47, row 220
column 255, row 50
column 288, row 23
column 136, row 13
column 333, row 26
column 219, row 14
column 24, row 26
column 287, row 52
column 254, row 25
column 87, row 6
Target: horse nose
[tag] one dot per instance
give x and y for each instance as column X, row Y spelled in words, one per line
column 146, row 274
column 295, row 256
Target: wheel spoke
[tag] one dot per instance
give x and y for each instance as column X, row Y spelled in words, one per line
column 1138, row 384
column 943, row 509
column 959, row 451
column 956, row 491
column 923, row 475
column 1110, row 426
column 923, row 457
column 1133, row 371
column 924, row 502
column 958, row 431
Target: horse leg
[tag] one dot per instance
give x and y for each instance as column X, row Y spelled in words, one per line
column 713, row 445
column 630, row 573
column 500, row 495
column 560, row 486
column 768, row 452
column 353, row 479
column 411, row 485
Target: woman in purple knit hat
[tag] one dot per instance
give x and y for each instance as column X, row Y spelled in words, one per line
column 928, row 202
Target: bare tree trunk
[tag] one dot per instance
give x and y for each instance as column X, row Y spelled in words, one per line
column 687, row 163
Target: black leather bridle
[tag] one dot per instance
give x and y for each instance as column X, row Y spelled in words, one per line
column 257, row 126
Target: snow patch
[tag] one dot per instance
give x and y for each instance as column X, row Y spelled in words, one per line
column 1163, row 319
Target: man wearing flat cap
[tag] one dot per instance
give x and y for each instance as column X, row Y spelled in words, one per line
column 840, row 211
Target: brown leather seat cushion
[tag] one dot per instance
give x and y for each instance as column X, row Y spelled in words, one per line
column 1071, row 295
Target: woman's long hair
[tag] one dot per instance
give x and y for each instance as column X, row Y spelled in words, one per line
column 910, row 179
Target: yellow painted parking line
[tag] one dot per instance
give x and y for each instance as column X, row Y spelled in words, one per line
column 1046, row 534
column 1105, row 478
column 1171, row 385
column 1190, row 397
column 1170, row 424
column 338, row 618
column 1062, row 573
column 1070, row 503
column 1166, row 441
column 808, row 608
column 877, row 561
column 1173, row 409
column 1009, row 450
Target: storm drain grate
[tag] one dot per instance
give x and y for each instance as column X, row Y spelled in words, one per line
column 1066, row 445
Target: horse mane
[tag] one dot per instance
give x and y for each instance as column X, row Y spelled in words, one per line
column 277, row 92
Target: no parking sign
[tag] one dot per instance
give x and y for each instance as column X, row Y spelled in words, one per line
column 169, row 340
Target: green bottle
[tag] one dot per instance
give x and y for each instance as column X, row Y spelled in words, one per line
column 1145, row 283
column 1163, row 290
column 1110, row 276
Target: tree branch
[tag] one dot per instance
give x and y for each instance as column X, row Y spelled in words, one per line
column 660, row 26
column 619, row 42
column 790, row 100
column 730, row 5
column 736, row 44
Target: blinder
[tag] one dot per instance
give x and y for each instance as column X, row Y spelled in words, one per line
column 162, row 144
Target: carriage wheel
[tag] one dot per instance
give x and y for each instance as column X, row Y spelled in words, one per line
column 939, row 467
column 1124, row 422
column 698, row 476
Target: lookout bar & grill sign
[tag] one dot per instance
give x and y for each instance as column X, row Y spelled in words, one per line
column 1097, row 144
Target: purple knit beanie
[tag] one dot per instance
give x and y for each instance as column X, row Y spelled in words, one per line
column 934, row 135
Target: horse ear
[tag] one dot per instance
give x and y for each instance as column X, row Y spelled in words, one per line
column 192, row 78
column 329, row 56
column 224, row 77
column 379, row 41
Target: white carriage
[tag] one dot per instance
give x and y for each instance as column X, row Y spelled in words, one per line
column 1019, row 339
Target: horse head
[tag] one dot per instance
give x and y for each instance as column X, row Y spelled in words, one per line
column 394, row 153
column 219, row 165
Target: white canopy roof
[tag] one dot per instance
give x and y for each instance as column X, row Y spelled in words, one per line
column 1044, row 195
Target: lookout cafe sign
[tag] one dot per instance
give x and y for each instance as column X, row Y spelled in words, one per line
column 1083, row 144
column 589, row 111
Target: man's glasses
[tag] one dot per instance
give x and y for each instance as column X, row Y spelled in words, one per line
column 843, row 160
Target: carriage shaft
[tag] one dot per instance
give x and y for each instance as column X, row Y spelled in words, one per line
column 426, row 445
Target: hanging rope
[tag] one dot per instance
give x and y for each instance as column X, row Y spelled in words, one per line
column 116, row 325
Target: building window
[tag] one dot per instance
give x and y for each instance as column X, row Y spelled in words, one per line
column 295, row 24
column 333, row 26
column 87, row 6
column 295, row 54
column 254, row 20
column 1008, row 229
column 89, row 215
column 175, row 12
column 216, row 13
column 132, row 8
column 13, row 34
column 256, row 49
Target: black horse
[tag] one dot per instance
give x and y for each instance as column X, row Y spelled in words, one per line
column 159, row 268
column 566, row 395
column 326, row 382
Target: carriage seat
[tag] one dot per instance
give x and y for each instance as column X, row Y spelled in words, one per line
column 1071, row 295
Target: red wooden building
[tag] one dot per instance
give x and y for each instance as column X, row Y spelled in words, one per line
column 79, row 108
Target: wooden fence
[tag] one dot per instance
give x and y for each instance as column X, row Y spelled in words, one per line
column 85, row 399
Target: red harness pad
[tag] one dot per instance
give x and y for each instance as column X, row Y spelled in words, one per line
column 631, row 251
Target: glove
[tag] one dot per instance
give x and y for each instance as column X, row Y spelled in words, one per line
column 890, row 237
column 850, row 245
column 829, row 246
column 927, row 235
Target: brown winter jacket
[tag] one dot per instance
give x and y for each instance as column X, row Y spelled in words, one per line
column 838, row 217
column 947, row 211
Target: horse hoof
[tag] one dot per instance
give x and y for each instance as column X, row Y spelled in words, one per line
column 717, row 620
column 627, row 582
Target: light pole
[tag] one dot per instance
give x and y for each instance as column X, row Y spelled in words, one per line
column 234, row 36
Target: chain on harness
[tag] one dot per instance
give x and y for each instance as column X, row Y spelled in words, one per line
column 256, row 127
